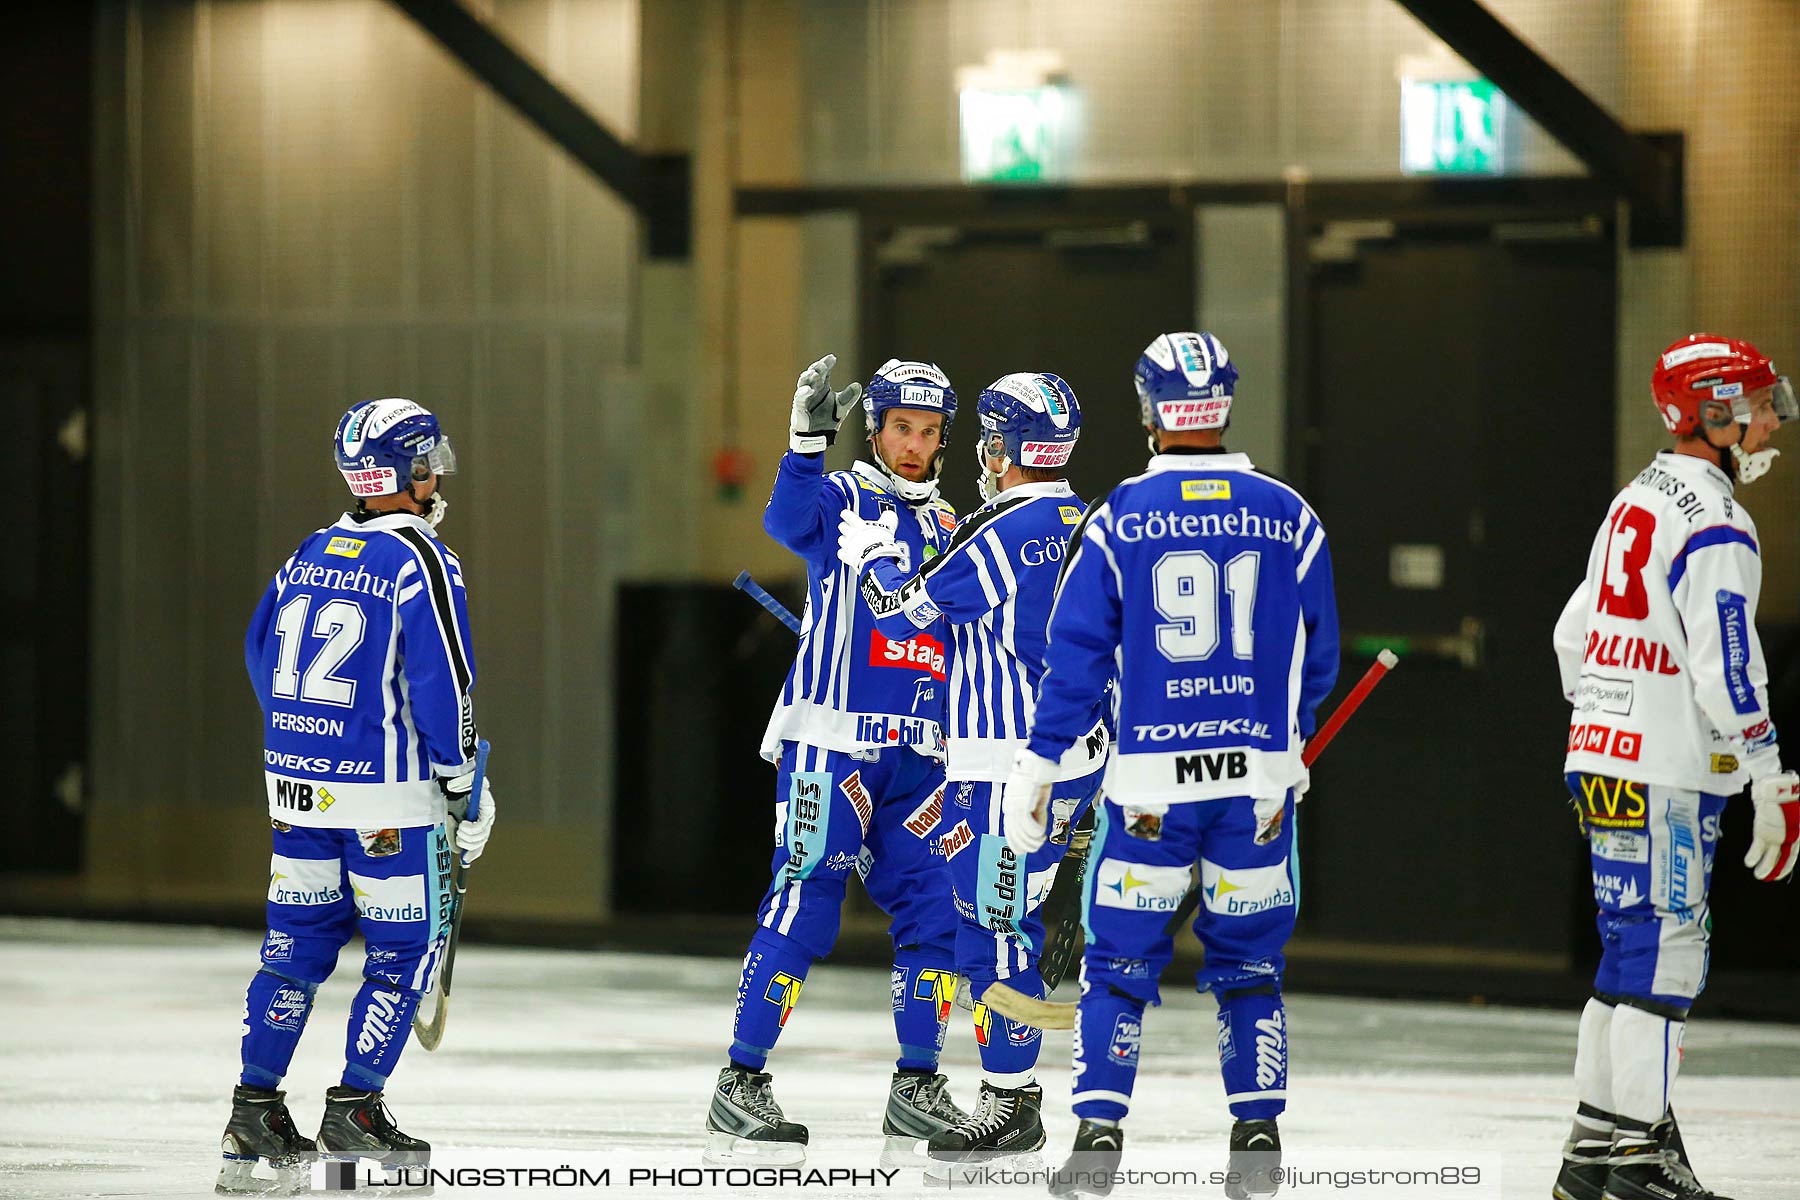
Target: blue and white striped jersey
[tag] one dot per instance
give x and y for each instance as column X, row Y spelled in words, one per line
column 851, row 686
column 994, row 585
column 361, row 658
column 1206, row 585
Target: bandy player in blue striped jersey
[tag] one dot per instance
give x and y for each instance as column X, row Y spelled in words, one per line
column 361, row 658
column 1206, row 585
column 857, row 740
column 994, row 586
column 1660, row 657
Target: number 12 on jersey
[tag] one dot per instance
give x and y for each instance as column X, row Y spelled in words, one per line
column 341, row 624
column 1187, row 592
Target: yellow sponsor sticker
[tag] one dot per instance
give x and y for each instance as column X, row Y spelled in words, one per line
column 1724, row 764
column 345, row 547
column 1206, row 489
column 1070, row 514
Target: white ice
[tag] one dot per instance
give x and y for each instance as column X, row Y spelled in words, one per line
column 118, row 1051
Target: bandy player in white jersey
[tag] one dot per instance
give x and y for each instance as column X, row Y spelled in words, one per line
column 1660, row 657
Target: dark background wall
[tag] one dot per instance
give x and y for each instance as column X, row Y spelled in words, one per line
column 46, row 346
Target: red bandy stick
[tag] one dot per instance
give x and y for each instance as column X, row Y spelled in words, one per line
column 1384, row 662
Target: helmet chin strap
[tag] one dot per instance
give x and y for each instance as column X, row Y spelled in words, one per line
column 989, row 481
column 432, row 508
column 911, row 490
column 1742, row 465
column 1747, row 467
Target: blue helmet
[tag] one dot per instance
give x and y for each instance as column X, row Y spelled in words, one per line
column 383, row 445
column 901, row 384
column 1034, row 417
column 1185, row 381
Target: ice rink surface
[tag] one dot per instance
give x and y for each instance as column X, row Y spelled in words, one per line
column 118, row 1051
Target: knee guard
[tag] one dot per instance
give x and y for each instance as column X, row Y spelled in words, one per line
column 1109, row 1030
column 1253, row 1053
column 275, row 1010
column 380, row 1023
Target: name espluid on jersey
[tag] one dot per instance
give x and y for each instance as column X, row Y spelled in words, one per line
column 1157, row 526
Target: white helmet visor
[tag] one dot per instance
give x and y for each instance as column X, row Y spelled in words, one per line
column 1779, row 399
column 439, row 460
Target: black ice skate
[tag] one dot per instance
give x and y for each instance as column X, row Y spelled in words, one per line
column 1093, row 1167
column 357, row 1125
column 1255, row 1159
column 1585, row 1164
column 919, row 1106
column 1653, row 1169
column 746, row 1126
column 1005, row 1123
column 1587, row 1158
column 260, row 1130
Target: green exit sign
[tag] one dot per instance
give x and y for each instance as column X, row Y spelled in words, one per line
column 1014, row 135
column 1452, row 127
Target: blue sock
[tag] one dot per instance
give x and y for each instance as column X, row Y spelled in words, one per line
column 275, row 1011
column 380, row 1022
column 1253, row 1052
column 924, row 988
column 1108, row 1028
column 1009, row 1047
column 768, row 989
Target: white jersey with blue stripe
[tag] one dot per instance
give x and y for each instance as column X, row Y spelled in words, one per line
column 361, row 657
column 851, row 687
column 995, row 586
column 1206, row 586
column 1658, row 646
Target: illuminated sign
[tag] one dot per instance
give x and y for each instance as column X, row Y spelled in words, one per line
column 1452, row 127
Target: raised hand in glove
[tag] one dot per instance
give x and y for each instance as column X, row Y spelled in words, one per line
column 471, row 836
column 861, row 542
column 1025, row 805
column 1777, row 828
column 818, row 411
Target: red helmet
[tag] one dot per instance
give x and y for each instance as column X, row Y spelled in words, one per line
column 1702, row 368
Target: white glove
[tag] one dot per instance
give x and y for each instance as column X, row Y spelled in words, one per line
column 818, row 411
column 1025, row 805
column 861, row 542
column 471, row 836
column 1777, row 828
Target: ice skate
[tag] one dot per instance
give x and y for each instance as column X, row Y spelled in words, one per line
column 919, row 1106
column 1004, row 1124
column 1652, row 1170
column 262, row 1131
column 1092, row 1167
column 1587, row 1161
column 1255, row 1157
column 746, row 1126
column 358, row 1126
column 1585, row 1165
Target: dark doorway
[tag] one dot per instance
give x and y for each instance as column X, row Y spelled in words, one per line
column 1077, row 296
column 1453, row 425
